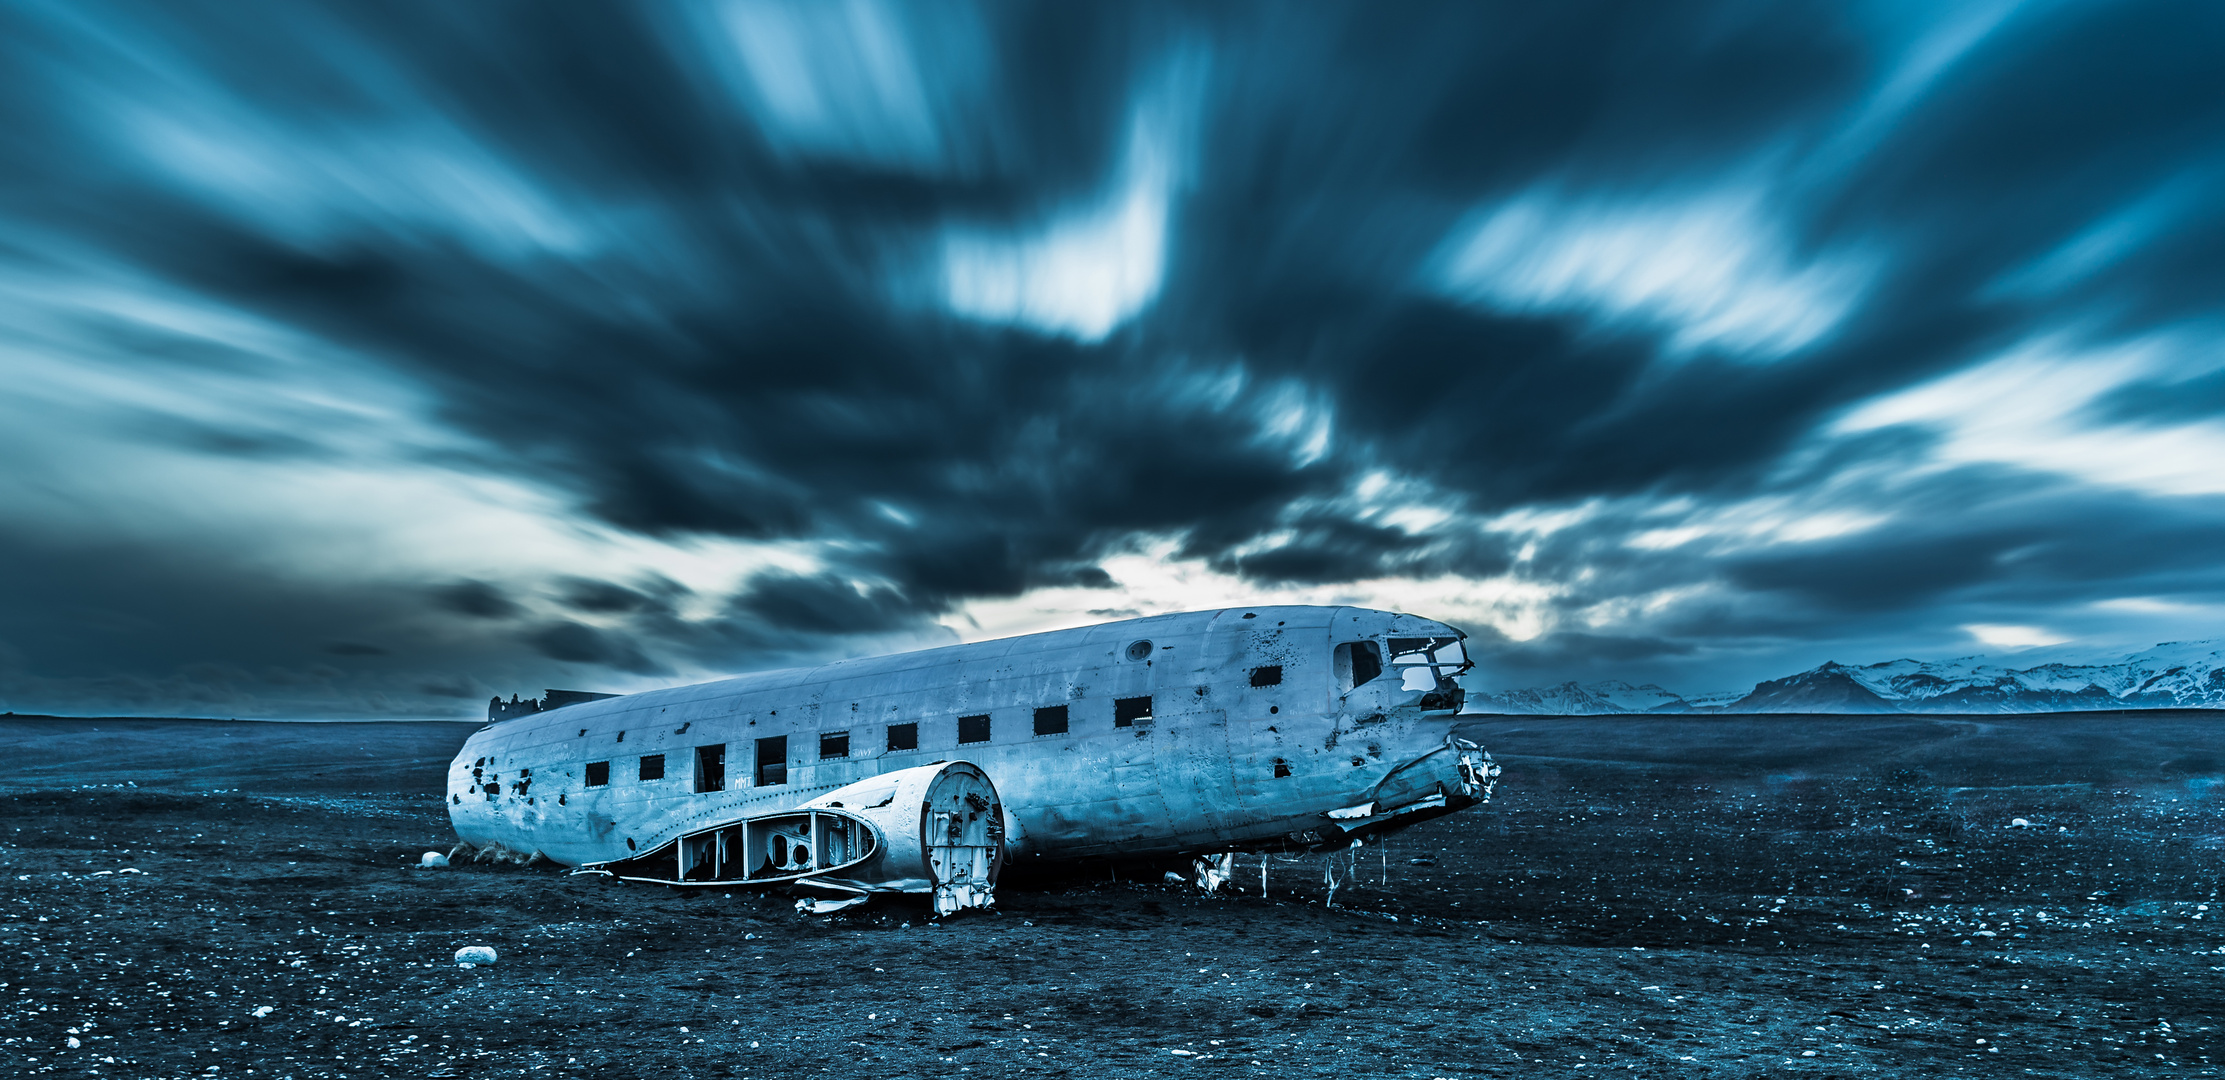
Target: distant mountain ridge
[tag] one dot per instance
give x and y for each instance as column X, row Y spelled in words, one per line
column 2172, row 675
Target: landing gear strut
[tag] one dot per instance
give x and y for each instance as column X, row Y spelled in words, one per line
column 1210, row 872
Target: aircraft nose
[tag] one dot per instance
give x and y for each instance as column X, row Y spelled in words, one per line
column 1457, row 767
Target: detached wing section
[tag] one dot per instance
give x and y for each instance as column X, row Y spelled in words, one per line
column 936, row 829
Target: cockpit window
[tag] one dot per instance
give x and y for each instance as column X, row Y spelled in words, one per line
column 1428, row 650
column 1420, row 662
column 1357, row 663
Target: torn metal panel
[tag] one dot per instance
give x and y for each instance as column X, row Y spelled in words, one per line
column 498, row 709
column 1210, row 873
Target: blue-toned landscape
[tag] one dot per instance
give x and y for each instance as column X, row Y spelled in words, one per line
column 1856, row 895
column 1801, row 426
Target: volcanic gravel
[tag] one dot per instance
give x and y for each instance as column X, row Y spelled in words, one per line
column 1815, row 896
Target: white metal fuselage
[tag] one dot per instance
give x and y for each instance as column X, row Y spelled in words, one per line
column 1219, row 763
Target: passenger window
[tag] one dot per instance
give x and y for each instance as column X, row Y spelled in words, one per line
column 1270, row 675
column 834, row 744
column 973, row 729
column 1357, row 664
column 1132, row 712
column 598, row 773
column 652, row 767
column 772, row 761
column 903, row 737
column 1050, row 720
column 710, row 768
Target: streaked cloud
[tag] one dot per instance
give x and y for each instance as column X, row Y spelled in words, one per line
column 856, row 79
column 1757, row 523
column 370, row 359
column 1712, row 270
column 1091, row 267
column 2034, row 407
column 1082, row 274
column 1925, row 43
column 2149, row 605
column 2012, row 637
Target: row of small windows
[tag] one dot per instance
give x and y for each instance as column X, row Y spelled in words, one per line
column 772, row 753
column 710, row 769
column 835, row 745
column 1049, row 720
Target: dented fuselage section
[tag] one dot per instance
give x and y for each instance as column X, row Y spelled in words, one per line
column 1202, row 732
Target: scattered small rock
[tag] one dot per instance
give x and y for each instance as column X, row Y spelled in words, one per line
column 433, row 858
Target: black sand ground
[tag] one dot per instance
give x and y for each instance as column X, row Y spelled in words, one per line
column 1719, row 897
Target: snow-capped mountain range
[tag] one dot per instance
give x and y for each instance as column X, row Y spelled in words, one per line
column 2173, row 675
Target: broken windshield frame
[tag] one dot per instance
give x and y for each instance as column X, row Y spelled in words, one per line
column 1423, row 662
column 1434, row 651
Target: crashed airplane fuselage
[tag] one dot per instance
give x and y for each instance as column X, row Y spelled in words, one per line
column 1205, row 732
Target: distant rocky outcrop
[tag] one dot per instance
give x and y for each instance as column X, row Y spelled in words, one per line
column 2173, row 675
column 1567, row 699
column 1831, row 688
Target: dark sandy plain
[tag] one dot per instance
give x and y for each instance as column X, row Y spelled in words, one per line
column 1707, row 897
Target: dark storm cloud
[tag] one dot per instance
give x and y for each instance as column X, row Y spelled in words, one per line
column 707, row 291
column 2065, row 150
column 2160, row 401
column 209, row 439
column 1979, row 535
column 157, row 628
column 476, row 599
column 581, row 644
column 1323, row 546
column 1573, row 655
column 150, row 628
column 823, row 604
column 604, row 597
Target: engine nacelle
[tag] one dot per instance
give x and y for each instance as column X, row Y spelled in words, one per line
column 935, row 829
column 942, row 832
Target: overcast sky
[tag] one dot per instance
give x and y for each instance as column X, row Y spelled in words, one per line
column 375, row 359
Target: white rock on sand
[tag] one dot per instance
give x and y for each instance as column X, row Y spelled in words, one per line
column 475, row 955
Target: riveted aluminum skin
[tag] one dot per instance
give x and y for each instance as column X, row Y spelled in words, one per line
column 1255, row 724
